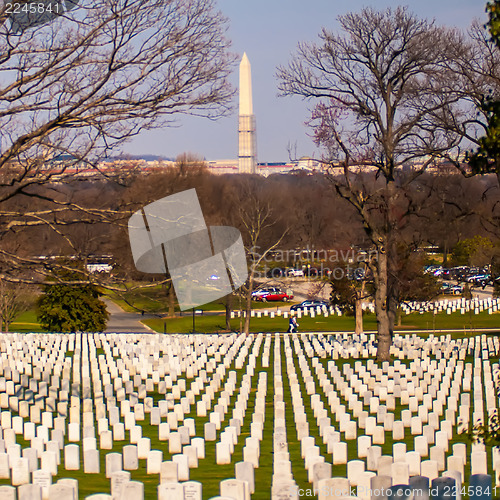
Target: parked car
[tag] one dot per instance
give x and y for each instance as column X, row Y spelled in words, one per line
column 310, row 304
column 275, row 272
column 459, row 273
column 295, row 273
column 479, row 280
column 434, row 270
column 272, row 294
column 446, row 274
column 313, row 272
column 450, row 289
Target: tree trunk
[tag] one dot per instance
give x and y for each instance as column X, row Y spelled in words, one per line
column 229, row 308
column 248, row 310
column 240, row 308
column 248, row 305
column 384, row 329
column 358, row 313
column 171, row 301
column 393, row 286
column 399, row 316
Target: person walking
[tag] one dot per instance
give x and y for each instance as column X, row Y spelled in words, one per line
column 292, row 325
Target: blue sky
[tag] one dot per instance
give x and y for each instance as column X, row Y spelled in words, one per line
column 268, row 31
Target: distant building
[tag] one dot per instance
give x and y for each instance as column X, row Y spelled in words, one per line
column 221, row 167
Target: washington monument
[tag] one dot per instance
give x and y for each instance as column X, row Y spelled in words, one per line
column 247, row 151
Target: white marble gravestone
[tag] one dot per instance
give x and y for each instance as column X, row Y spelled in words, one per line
column 169, row 472
column 171, row 491
column 118, row 479
column 234, row 488
column 132, row 490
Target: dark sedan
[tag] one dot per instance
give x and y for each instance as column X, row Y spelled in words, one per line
column 310, row 304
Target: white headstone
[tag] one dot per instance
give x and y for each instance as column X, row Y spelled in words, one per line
column 91, row 461
column 222, row 453
column 43, row 479
column 30, row 492
column 169, row 472
column 154, row 461
column 354, row 469
column 130, row 459
column 183, row 466
column 192, row 490
column 113, row 464
column 244, row 471
column 132, row 490
column 118, row 479
column 171, row 491
column 20, row 471
column 234, row 488
column 72, row 457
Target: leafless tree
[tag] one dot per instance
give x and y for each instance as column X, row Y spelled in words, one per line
column 380, row 85
column 75, row 86
column 14, row 299
column 252, row 209
column 477, row 68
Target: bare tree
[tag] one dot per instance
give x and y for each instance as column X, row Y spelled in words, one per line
column 478, row 70
column 252, row 209
column 381, row 85
column 349, row 291
column 14, row 299
column 75, row 86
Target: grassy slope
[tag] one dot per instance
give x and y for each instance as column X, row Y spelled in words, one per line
column 426, row 321
column 27, row 322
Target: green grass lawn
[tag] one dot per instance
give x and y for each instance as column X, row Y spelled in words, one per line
column 427, row 321
column 26, row 322
column 467, row 323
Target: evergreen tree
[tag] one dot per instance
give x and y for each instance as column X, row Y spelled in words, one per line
column 72, row 308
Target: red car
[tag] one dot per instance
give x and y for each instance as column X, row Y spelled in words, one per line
column 272, row 294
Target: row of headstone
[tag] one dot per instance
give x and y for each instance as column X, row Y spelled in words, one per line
column 348, row 405
column 49, row 452
column 477, row 305
column 414, row 459
column 299, row 312
column 283, row 484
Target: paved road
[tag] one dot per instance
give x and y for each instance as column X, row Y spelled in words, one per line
column 121, row 321
column 482, row 294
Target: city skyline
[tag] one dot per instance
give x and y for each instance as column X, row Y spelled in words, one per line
column 269, row 35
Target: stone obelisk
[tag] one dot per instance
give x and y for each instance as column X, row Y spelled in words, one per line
column 247, row 151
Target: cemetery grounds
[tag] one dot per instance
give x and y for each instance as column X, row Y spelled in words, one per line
column 86, row 406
